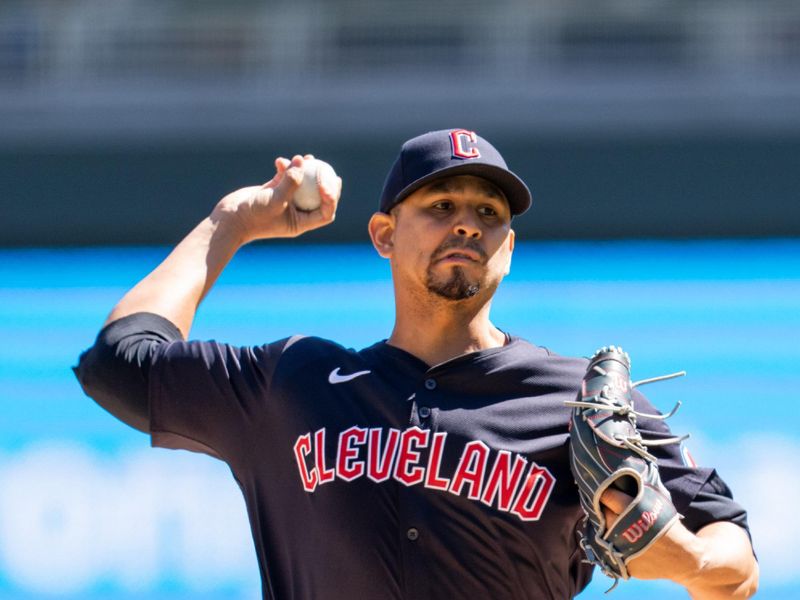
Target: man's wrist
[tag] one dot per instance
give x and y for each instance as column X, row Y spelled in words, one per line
column 229, row 224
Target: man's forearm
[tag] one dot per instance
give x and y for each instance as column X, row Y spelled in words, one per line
column 728, row 568
column 716, row 562
column 176, row 287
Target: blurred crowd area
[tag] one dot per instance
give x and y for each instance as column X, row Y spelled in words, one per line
column 553, row 63
column 681, row 117
column 92, row 40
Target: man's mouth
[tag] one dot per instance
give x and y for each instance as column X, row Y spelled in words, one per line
column 461, row 254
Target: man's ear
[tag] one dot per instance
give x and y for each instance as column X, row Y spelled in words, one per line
column 510, row 242
column 381, row 232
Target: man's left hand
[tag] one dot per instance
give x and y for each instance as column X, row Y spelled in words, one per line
column 715, row 563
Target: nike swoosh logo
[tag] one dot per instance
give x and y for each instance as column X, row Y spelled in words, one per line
column 335, row 378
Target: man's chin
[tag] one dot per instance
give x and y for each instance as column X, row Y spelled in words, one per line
column 456, row 287
column 456, row 295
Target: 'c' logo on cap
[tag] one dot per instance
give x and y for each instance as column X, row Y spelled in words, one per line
column 460, row 140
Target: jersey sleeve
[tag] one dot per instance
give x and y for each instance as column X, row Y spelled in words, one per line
column 207, row 396
column 201, row 396
column 114, row 370
column 699, row 494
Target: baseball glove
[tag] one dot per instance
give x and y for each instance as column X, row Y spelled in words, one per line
column 606, row 450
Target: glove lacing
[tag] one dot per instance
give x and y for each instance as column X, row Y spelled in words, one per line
column 606, row 402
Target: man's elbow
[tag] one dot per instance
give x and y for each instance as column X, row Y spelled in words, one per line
column 749, row 586
column 105, row 379
column 738, row 586
column 741, row 590
column 729, row 568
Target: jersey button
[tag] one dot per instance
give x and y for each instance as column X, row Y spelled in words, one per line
column 424, row 412
column 430, row 384
column 412, row 534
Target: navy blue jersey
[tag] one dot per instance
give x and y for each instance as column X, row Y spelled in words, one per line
column 369, row 474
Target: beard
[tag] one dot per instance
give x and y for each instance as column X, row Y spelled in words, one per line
column 455, row 287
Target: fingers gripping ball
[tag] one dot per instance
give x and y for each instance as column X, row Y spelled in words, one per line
column 316, row 173
column 607, row 451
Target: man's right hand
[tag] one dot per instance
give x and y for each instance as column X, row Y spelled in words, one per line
column 267, row 211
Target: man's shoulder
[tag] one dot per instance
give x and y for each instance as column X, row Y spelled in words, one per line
column 309, row 348
column 542, row 357
column 299, row 345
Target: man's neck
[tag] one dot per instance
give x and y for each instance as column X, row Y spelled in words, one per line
column 437, row 333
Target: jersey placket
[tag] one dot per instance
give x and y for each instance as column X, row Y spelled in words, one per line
column 412, row 497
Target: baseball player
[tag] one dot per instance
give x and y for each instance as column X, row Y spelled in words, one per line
column 432, row 464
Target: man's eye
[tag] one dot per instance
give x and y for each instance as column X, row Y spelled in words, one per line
column 443, row 205
column 487, row 211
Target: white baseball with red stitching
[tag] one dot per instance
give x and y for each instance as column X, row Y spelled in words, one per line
column 316, row 173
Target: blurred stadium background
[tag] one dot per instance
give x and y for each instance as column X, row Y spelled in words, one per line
column 661, row 141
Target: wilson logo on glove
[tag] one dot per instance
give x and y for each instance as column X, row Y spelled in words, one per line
column 638, row 529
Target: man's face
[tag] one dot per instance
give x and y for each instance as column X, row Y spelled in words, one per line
column 453, row 238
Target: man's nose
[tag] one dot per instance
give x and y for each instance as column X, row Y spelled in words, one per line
column 467, row 226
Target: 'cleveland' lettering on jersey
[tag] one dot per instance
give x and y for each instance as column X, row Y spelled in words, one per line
column 414, row 456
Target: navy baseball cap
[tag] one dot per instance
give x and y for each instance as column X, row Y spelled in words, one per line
column 448, row 152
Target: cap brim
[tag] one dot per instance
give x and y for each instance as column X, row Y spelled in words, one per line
column 516, row 192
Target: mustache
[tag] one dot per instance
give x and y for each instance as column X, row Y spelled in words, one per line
column 459, row 244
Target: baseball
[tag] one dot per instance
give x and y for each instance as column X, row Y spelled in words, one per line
column 315, row 173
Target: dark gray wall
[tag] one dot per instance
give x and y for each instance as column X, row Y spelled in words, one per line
column 603, row 187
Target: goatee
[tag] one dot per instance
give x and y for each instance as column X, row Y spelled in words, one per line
column 457, row 287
